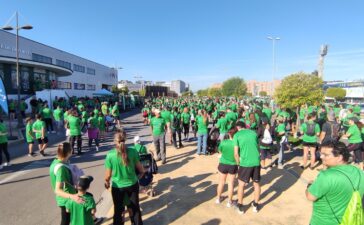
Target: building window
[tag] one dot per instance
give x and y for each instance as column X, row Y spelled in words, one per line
column 63, row 64
column 41, row 58
column 78, row 68
column 91, row 87
column 64, row 85
column 2, row 71
column 78, row 86
column 91, row 71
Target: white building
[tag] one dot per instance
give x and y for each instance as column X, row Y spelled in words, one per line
column 49, row 67
column 178, row 86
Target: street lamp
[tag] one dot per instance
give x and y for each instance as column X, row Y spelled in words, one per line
column 273, row 39
column 17, row 28
column 142, row 81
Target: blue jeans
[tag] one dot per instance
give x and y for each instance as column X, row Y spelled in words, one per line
column 201, row 140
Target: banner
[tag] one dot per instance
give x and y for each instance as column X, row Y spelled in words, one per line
column 3, row 98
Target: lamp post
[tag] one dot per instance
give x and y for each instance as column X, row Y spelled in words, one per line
column 17, row 28
column 273, row 39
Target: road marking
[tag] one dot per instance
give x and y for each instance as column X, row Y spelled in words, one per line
column 27, row 169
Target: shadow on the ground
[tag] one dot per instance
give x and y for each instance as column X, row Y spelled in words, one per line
column 212, row 222
column 182, row 197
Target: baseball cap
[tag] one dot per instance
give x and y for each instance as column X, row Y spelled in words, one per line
column 136, row 139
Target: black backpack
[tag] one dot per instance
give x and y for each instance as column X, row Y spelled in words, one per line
column 335, row 131
column 310, row 129
column 176, row 121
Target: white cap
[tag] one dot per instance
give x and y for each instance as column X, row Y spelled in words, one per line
column 136, row 139
column 157, row 111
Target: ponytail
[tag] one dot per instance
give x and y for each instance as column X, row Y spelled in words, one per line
column 119, row 140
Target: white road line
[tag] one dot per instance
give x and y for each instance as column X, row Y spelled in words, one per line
column 29, row 168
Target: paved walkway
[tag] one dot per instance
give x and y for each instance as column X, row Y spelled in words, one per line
column 186, row 190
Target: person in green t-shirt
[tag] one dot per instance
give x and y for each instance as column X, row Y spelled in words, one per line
column 121, row 164
column 222, row 124
column 333, row 188
column 39, row 128
column 102, row 126
column 116, row 114
column 159, row 126
column 83, row 213
column 265, row 144
column 354, row 138
column 311, row 131
column 202, row 122
column 4, row 144
column 227, row 167
column 29, row 135
column 247, row 156
column 186, row 118
column 23, row 106
column 47, row 117
column 281, row 139
column 141, row 149
column 176, row 127
column 61, row 181
column 58, row 118
column 93, row 131
column 74, row 125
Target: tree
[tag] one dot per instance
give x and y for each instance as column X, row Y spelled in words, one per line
column 203, row 92
column 134, row 92
column 142, row 92
column 249, row 94
column 214, row 92
column 263, row 93
column 299, row 89
column 234, row 86
column 115, row 89
column 124, row 90
column 187, row 93
column 337, row 93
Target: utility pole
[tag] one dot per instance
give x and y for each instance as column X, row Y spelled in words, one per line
column 323, row 53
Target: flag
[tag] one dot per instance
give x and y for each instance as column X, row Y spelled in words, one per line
column 3, row 97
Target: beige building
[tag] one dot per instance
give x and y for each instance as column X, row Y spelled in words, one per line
column 255, row 87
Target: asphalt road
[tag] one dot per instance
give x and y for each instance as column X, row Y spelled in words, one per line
column 25, row 191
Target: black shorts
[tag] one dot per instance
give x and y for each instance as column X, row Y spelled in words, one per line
column 44, row 141
column 12, row 111
column 227, row 169
column 245, row 173
column 309, row 144
column 30, row 142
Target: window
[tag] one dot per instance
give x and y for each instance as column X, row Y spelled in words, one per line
column 91, row 71
column 78, row 86
column 64, row 85
column 91, row 87
column 63, row 63
column 78, row 68
column 2, row 71
column 41, row 58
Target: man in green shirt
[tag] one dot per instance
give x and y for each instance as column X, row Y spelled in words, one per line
column 176, row 126
column 58, row 118
column 186, row 117
column 40, row 134
column 74, row 124
column 159, row 126
column 247, row 156
column 333, row 188
column 47, row 117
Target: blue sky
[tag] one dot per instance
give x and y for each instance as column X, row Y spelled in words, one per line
column 201, row 41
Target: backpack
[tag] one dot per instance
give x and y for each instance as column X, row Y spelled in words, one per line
column 76, row 172
column 354, row 214
column 145, row 114
column 310, row 129
column 176, row 121
column 335, row 131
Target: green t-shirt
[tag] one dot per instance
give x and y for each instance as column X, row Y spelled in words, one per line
column 23, row 106
column 186, row 118
column 222, row 124
column 57, row 114
column 104, row 109
column 74, row 124
column 247, row 141
column 157, row 125
column 267, row 112
column 101, row 121
column 333, row 191
column 302, row 113
column 201, row 125
column 166, row 115
column 47, row 113
column 94, row 122
column 308, row 138
column 3, row 137
column 122, row 175
column 141, row 149
column 226, row 148
column 354, row 134
column 231, row 119
column 38, row 125
column 81, row 213
column 115, row 110
column 63, row 175
column 29, row 132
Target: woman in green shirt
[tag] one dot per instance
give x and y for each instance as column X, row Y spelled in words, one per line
column 354, row 138
column 311, row 131
column 61, row 181
column 4, row 144
column 202, row 132
column 121, row 163
column 227, row 168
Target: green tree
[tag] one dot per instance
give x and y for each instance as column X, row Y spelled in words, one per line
column 263, row 93
column 249, row 94
column 115, row 89
column 299, row 89
column 134, row 92
column 187, row 93
column 214, row 92
column 203, row 92
column 337, row 93
column 234, row 86
column 142, row 92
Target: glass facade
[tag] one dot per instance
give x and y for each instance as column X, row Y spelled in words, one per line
column 41, row 58
column 63, row 64
column 91, row 71
column 78, row 68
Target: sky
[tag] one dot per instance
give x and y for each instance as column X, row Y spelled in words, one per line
column 201, row 42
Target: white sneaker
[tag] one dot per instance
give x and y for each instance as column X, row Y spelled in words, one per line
column 218, row 201
column 7, row 164
column 230, row 204
column 97, row 148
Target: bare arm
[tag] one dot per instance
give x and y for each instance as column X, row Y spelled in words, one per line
column 236, row 155
column 107, row 178
column 140, row 169
column 310, row 197
column 59, row 192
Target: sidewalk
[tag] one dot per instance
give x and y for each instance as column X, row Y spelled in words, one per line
column 186, row 193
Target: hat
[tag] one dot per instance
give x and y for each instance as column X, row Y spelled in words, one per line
column 84, row 182
column 136, row 139
column 157, row 111
column 354, row 119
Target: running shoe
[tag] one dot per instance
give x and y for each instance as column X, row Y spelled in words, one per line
column 229, row 204
column 42, row 153
column 97, row 148
column 240, row 208
column 218, row 200
column 7, row 164
column 255, row 207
